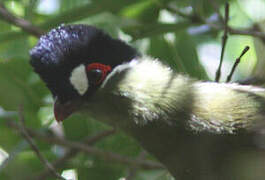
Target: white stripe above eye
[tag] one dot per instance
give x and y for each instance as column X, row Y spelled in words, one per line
column 78, row 79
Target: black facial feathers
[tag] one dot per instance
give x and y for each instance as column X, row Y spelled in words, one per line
column 62, row 49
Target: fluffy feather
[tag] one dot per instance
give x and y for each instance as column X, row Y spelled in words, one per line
column 157, row 93
column 178, row 119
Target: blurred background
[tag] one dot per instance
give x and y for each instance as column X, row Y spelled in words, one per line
column 185, row 34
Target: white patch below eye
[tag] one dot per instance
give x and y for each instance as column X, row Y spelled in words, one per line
column 79, row 79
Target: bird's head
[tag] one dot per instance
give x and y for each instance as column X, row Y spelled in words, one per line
column 73, row 61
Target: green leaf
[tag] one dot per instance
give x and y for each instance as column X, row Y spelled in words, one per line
column 145, row 11
column 100, row 169
column 76, row 127
column 186, row 50
column 165, row 51
column 120, row 143
column 84, row 11
column 149, row 30
column 15, row 90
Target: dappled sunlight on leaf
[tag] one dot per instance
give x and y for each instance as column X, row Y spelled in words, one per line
column 70, row 174
column 3, row 156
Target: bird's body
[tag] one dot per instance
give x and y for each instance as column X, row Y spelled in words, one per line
column 151, row 92
column 194, row 128
column 178, row 119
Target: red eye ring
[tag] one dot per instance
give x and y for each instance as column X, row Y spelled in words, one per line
column 105, row 69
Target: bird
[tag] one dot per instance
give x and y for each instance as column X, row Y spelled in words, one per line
column 193, row 128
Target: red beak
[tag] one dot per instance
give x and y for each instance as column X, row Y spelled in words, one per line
column 62, row 111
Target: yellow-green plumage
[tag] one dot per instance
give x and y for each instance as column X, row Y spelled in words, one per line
column 158, row 93
column 186, row 124
column 228, row 107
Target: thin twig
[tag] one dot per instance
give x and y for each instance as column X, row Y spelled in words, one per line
column 25, row 134
column 73, row 152
column 249, row 32
column 145, row 164
column 236, row 63
column 233, row 31
column 19, row 22
column 224, row 40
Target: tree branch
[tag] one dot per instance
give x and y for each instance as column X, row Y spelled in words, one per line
column 249, row 32
column 33, row 146
column 236, row 63
column 145, row 164
column 224, row 40
column 233, row 31
column 19, row 22
column 73, row 152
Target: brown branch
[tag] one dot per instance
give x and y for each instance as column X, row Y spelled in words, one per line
column 224, row 40
column 236, row 63
column 233, row 31
column 249, row 32
column 73, row 152
column 19, row 22
column 145, row 164
column 25, row 134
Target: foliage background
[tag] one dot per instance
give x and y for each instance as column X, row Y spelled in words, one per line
column 185, row 34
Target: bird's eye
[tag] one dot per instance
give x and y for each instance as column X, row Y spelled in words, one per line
column 96, row 72
column 95, row 76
